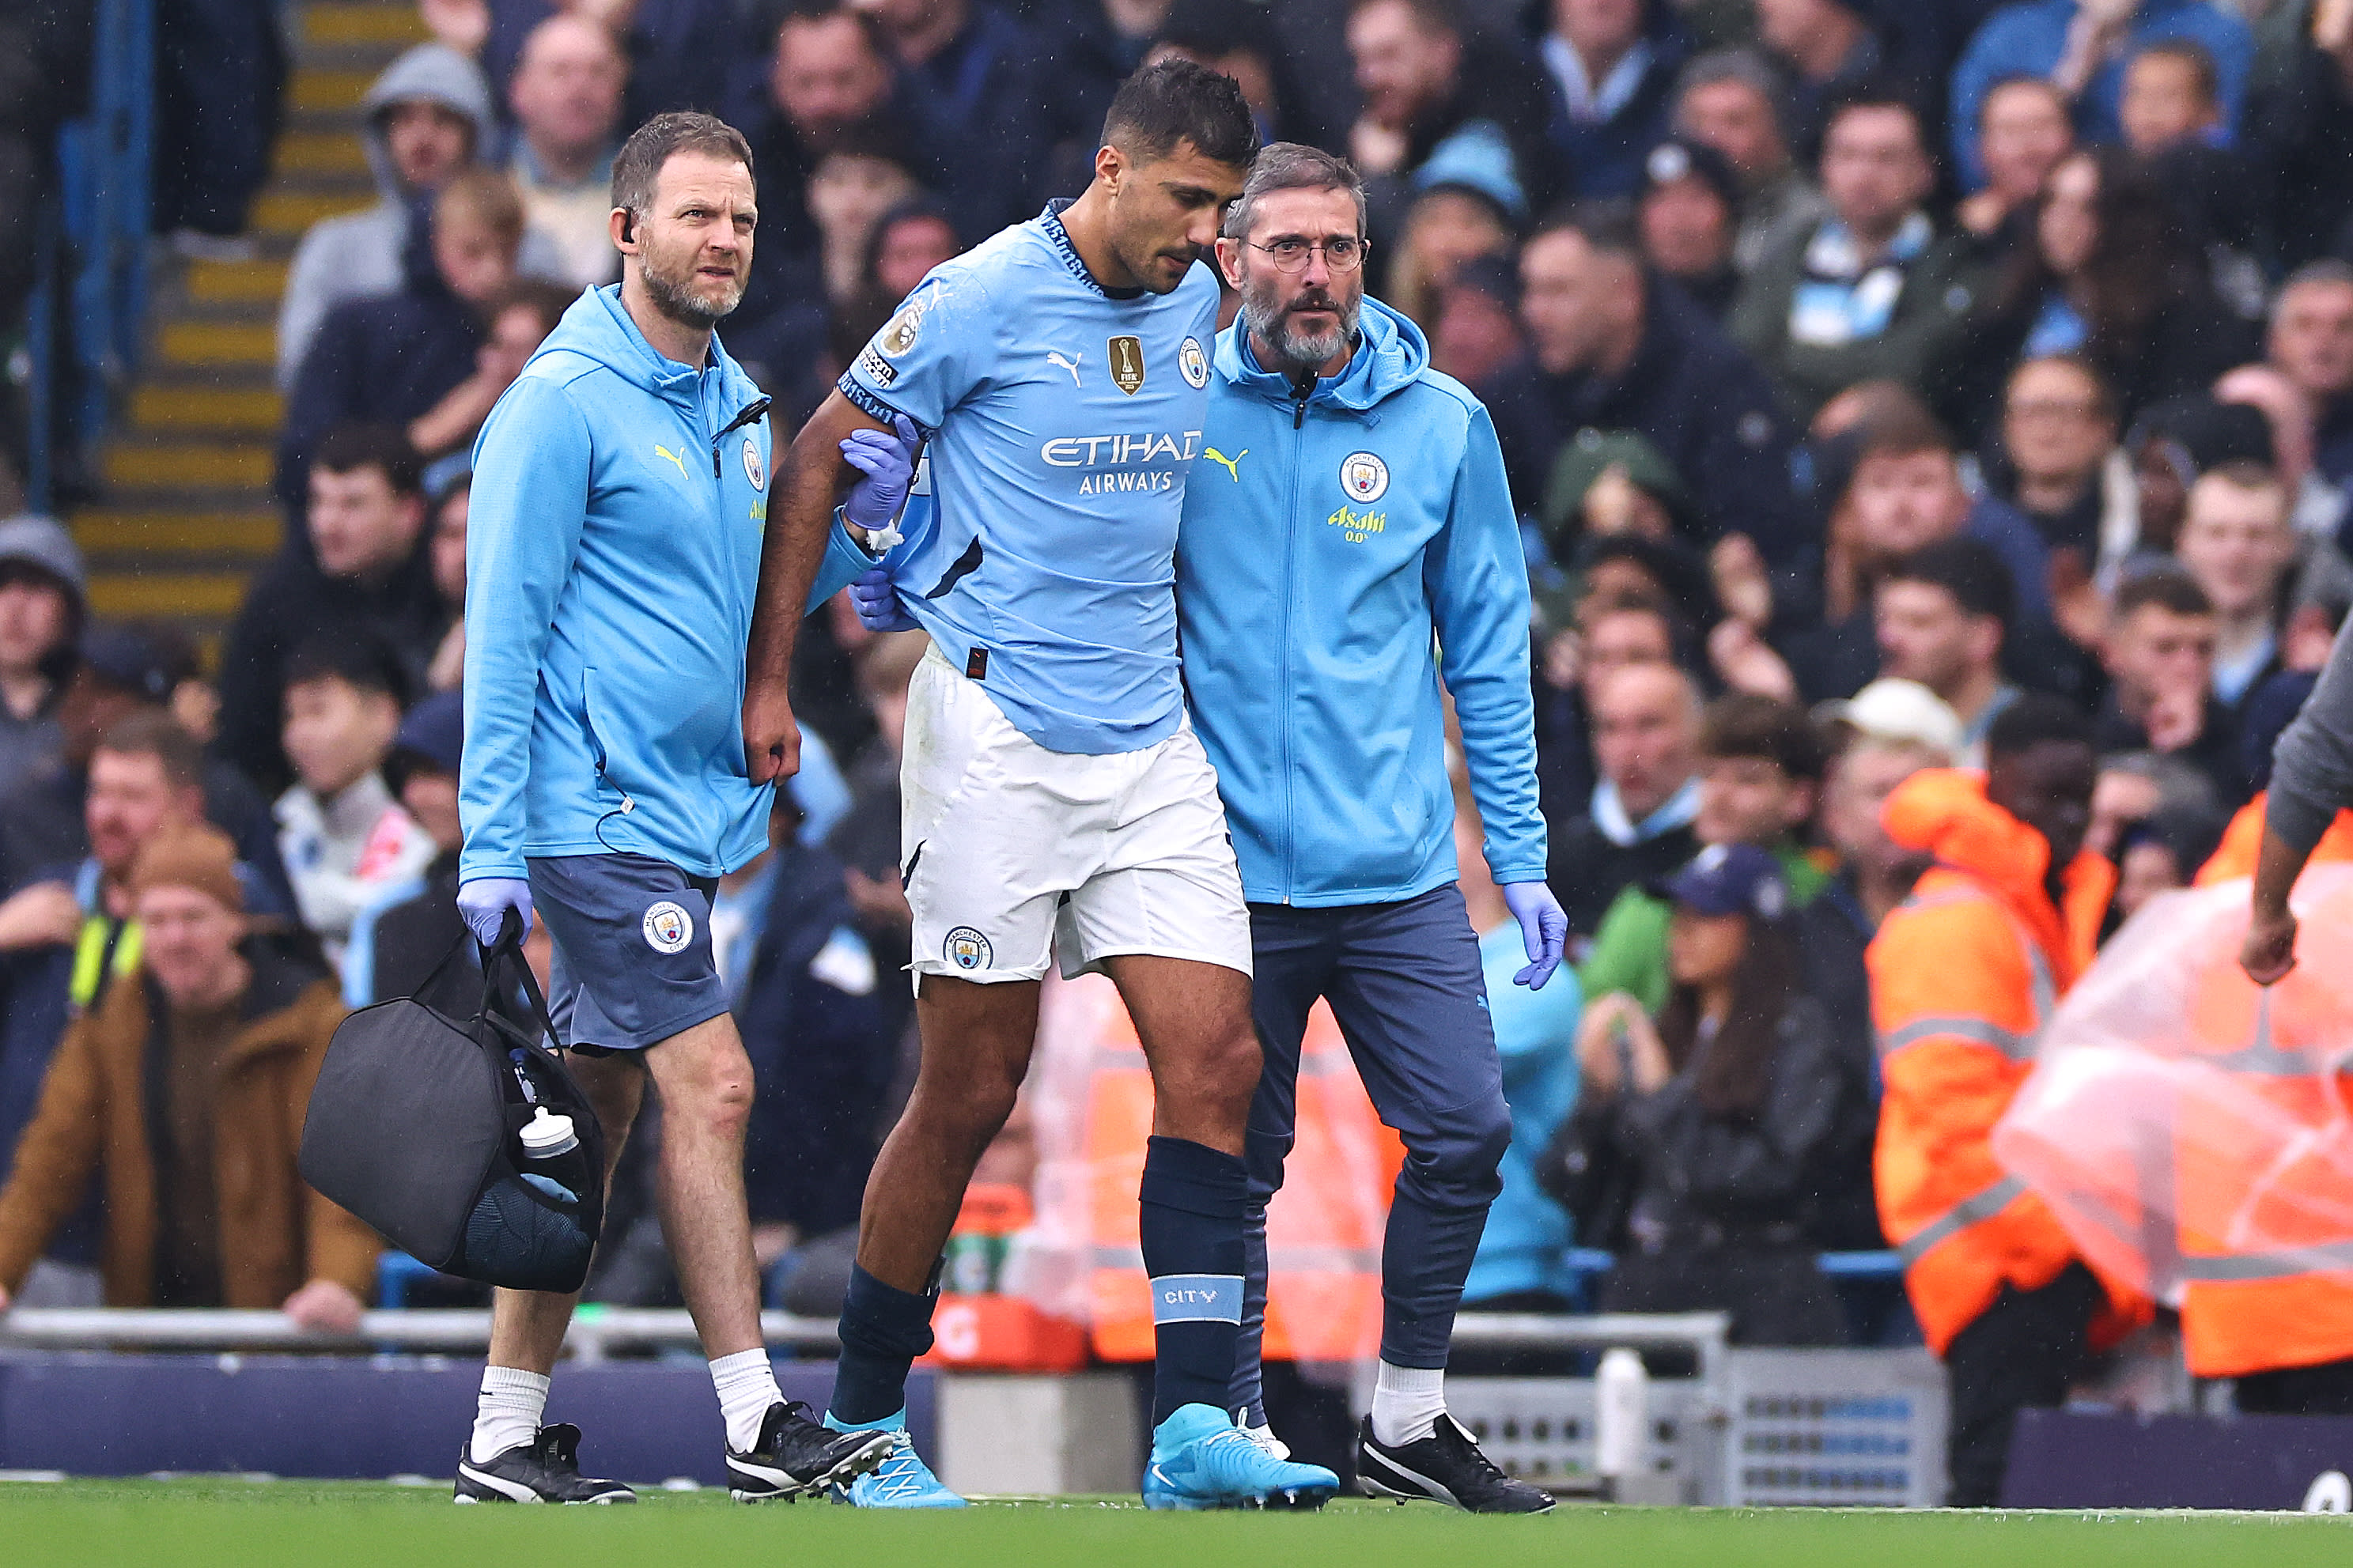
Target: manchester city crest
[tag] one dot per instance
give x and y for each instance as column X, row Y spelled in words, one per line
column 668, row 927
column 1193, row 364
column 1363, row 475
column 967, row 949
column 754, row 469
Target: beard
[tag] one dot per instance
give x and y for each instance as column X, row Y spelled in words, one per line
column 1297, row 349
column 673, row 294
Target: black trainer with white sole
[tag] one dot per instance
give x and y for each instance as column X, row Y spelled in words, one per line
column 797, row 1456
column 545, row 1469
column 1446, row 1467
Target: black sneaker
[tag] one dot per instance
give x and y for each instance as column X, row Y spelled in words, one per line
column 1446, row 1467
column 545, row 1469
column 796, row 1457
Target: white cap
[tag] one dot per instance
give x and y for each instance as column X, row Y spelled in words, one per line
column 1890, row 710
column 547, row 1134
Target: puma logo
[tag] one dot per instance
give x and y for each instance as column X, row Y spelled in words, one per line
column 1228, row 463
column 662, row 451
column 1054, row 356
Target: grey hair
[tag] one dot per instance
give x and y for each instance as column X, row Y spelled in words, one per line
column 1292, row 166
column 2327, row 270
column 1745, row 66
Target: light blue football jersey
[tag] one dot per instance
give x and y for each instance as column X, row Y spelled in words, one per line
column 1061, row 423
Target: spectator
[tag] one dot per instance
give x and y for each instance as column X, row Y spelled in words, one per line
column 1434, row 92
column 1824, row 47
column 2059, row 464
column 1698, row 1130
column 678, row 52
column 2177, row 440
column 1612, row 347
column 42, row 602
column 2310, row 341
column 432, row 357
column 120, row 671
column 2237, row 543
column 2299, row 126
column 1612, row 67
column 974, row 92
column 445, row 558
column 219, row 85
column 2110, row 275
column 1730, row 100
column 2081, row 49
column 1477, row 334
column 1943, row 614
column 2162, row 853
column 1242, row 39
column 343, row 837
column 857, row 180
column 1522, row 1264
column 866, row 840
column 426, row 118
column 1608, row 483
column 1871, row 290
column 402, row 934
column 567, row 97
column 1447, row 226
column 2023, row 133
column 365, row 518
column 187, row 1099
column 1689, row 217
column 2160, row 662
column 1638, row 824
column 2171, row 113
column 1900, row 727
column 1761, row 776
column 1611, row 634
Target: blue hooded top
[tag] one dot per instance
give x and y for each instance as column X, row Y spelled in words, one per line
column 612, row 555
column 1335, row 556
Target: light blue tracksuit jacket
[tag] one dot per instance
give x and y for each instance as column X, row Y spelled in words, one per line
column 1323, row 543
column 612, row 554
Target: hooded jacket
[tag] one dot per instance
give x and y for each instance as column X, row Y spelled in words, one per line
column 1324, row 540
column 94, row 1118
column 1964, row 975
column 612, row 553
column 357, row 254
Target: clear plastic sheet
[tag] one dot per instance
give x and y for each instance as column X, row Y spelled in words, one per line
column 2184, row 1124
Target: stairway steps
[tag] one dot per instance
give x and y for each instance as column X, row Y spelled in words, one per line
column 289, row 212
column 219, row 342
column 156, row 596
column 331, row 90
column 250, row 412
column 240, row 283
column 363, row 25
column 108, row 535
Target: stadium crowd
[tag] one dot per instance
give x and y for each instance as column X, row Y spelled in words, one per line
column 1885, row 389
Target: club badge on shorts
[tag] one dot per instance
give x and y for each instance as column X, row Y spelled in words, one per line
column 967, row 949
column 668, row 927
column 754, row 469
column 1363, row 475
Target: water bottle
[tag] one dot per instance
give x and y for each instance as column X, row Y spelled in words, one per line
column 546, row 1138
column 1621, row 1416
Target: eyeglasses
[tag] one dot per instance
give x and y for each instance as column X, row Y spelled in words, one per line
column 1341, row 253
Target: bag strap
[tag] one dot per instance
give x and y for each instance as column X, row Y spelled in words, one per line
column 507, row 954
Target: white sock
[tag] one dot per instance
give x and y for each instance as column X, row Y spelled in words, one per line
column 746, row 1383
column 1407, row 1403
column 508, row 1411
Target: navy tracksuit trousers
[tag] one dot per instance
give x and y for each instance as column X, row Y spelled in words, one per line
column 1406, row 986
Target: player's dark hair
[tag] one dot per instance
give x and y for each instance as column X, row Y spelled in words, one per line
column 1745, row 724
column 350, row 447
column 2169, row 588
column 357, row 658
column 1970, row 570
column 1292, row 166
column 2036, row 717
column 640, row 161
column 1175, row 100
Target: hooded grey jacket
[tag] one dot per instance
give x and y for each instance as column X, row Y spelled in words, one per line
column 357, row 254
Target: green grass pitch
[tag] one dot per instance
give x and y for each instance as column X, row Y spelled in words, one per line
column 202, row 1521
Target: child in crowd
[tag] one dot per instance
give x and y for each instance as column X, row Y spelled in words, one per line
column 343, row 837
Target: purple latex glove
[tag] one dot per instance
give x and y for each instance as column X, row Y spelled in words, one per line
column 880, row 608
column 887, row 460
column 1543, row 927
column 483, row 903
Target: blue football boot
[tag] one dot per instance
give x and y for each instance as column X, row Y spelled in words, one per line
column 1201, row 1459
column 900, row 1480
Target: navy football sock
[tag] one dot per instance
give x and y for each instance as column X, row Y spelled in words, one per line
column 1193, row 1198
column 883, row 1329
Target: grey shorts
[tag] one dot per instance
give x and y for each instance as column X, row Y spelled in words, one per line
column 632, row 937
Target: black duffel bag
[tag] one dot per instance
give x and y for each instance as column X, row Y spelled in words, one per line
column 413, row 1126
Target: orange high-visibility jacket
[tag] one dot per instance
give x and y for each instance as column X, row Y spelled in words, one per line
column 2242, row 843
column 2266, row 1231
column 1963, row 977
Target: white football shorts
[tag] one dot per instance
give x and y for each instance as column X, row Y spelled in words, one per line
column 1014, row 853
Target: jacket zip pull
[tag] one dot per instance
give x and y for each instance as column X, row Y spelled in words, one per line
column 1298, row 409
column 752, row 410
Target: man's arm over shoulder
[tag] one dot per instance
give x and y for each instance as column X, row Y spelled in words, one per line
column 1477, row 577
column 532, row 472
